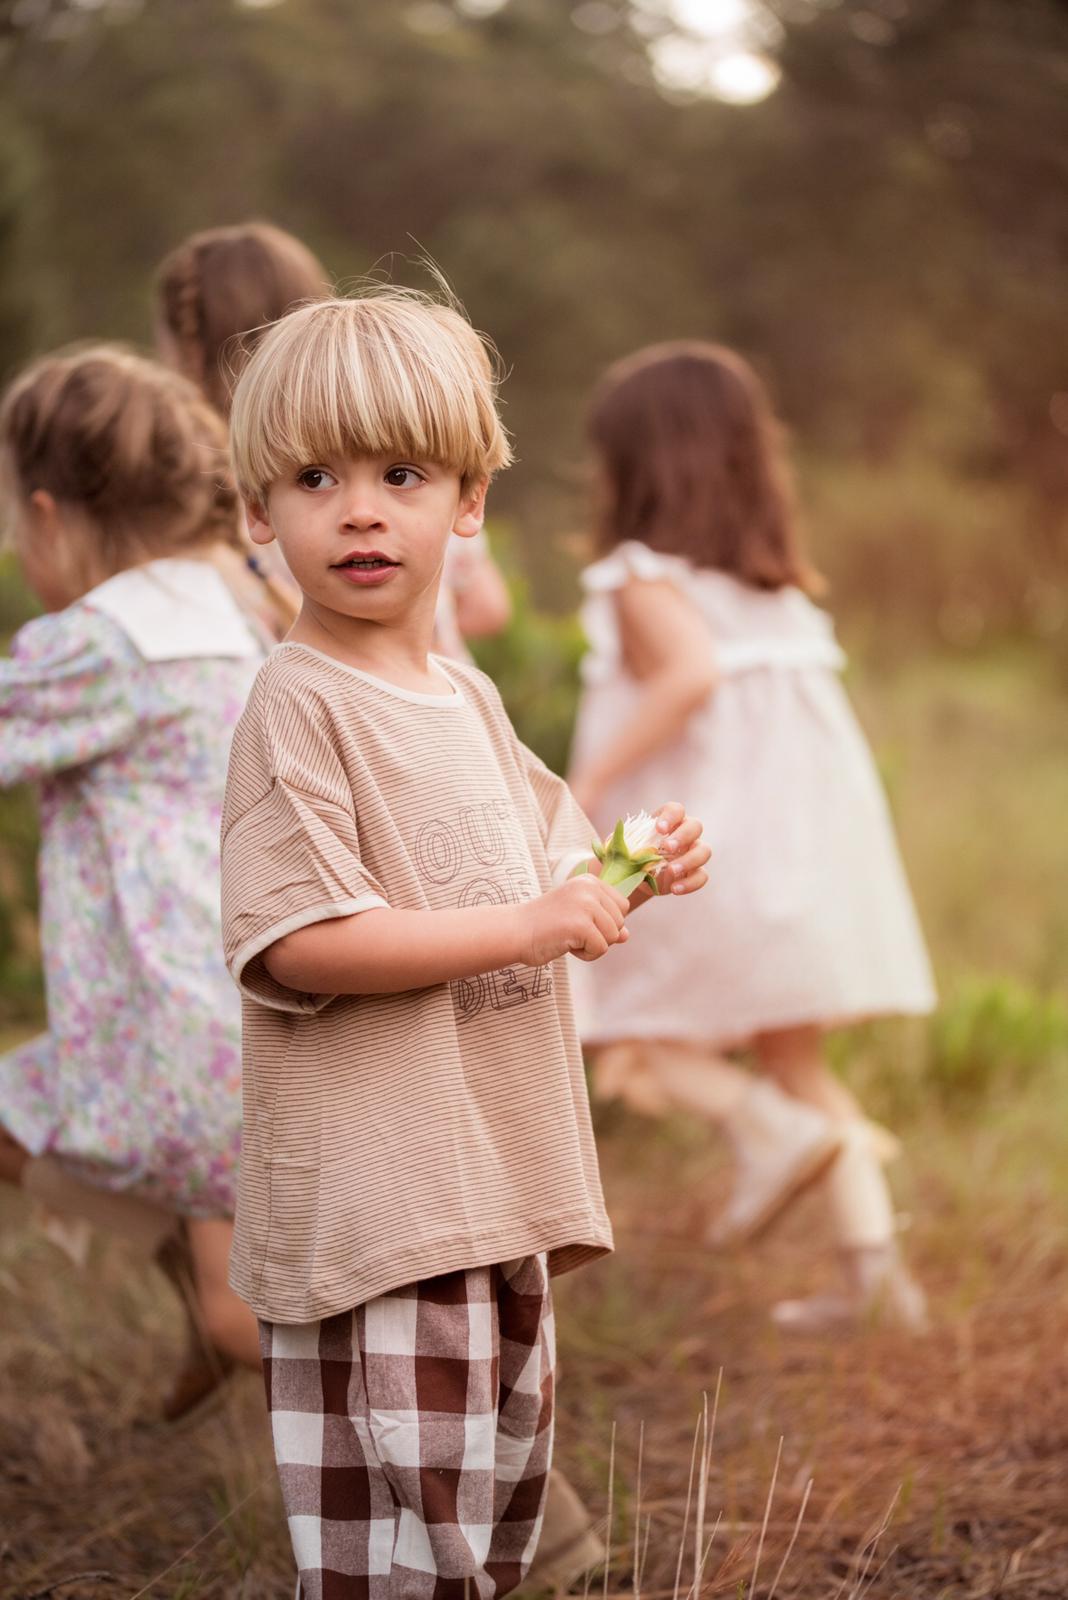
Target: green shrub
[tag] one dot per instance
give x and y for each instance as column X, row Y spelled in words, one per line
column 535, row 665
column 992, row 1032
column 992, row 1036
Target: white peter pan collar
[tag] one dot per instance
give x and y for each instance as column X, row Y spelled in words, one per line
column 173, row 609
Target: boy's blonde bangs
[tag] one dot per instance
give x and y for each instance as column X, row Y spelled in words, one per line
column 386, row 374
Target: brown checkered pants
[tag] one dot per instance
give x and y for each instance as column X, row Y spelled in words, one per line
column 413, row 1436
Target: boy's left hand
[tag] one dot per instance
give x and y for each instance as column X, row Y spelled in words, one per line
column 685, row 853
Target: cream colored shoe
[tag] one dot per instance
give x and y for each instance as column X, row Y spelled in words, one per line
column 880, row 1292
column 781, row 1146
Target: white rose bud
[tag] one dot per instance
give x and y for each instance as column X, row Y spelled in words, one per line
column 630, row 855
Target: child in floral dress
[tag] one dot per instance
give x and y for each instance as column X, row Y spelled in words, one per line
column 118, row 703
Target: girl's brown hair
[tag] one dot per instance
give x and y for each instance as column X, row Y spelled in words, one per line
column 693, row 465
column 220, row 289
column 135, row 447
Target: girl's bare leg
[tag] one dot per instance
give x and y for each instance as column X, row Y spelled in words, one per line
column 226, row 1321
column 13, row 1158
column 795, row 1059
column 653, row 1076
column 50, row 1182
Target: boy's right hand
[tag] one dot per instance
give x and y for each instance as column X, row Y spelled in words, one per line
column 582, row 917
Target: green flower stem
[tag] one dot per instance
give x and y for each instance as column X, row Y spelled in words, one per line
column 625, row 875
column 623, row 871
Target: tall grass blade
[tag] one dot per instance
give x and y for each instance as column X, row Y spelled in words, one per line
column 702, row 1494
column 694, row 1591
column 686, row 1513
column 767, row 1518
column 793, row 1538
column 608, row 1525
column 871, row 1543
column 709, row 1435
column 645, row 1546
column 636, row 1584
column 152, row 1582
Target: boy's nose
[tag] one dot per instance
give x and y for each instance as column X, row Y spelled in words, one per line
column 362, row 511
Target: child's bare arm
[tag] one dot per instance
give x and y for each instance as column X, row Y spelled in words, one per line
column 667, row 647
column 385, row 951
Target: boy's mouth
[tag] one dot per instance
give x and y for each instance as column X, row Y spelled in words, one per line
column 366, row 567
column 365, row 560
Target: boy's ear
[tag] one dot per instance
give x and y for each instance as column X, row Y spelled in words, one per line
column 472, row 510
column 257, row 520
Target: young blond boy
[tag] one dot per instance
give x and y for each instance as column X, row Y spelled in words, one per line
column 417, row 1156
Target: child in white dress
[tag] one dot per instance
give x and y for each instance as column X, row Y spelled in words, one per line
column 119, row 702
column 711, row 672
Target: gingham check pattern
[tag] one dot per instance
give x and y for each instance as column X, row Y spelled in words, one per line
column 413, row 1436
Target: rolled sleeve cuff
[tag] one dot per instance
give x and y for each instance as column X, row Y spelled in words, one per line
column 561, row 870
column 253, row 979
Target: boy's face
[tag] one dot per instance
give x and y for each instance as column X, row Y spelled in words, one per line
column 365, row 537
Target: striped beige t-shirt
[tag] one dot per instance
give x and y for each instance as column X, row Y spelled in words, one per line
column 389, row 1138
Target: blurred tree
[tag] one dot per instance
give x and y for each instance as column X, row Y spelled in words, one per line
column 885, row 235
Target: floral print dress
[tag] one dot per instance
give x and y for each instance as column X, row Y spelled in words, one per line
column 121, row 709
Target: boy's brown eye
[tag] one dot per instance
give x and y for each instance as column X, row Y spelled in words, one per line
column 313, row 478
column 403, row 477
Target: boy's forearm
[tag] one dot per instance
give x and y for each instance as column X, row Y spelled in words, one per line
column 385, row 952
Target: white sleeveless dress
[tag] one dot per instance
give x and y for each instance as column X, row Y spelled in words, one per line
column 807, row 916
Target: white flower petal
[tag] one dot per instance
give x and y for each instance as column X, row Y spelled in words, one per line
column 640, row 833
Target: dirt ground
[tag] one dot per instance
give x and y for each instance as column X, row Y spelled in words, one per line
column 931, row 1467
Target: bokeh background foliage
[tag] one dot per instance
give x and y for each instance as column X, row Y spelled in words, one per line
column 884, row 235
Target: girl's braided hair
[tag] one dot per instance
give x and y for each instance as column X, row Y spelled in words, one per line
column 133, row 445
column 219, row 290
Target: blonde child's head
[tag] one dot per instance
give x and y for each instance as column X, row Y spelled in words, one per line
column 218, row 290
column 691, row 462
column 108, row 460
column 389, row 371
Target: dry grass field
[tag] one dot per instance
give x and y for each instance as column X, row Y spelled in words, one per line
column 870, row 1466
